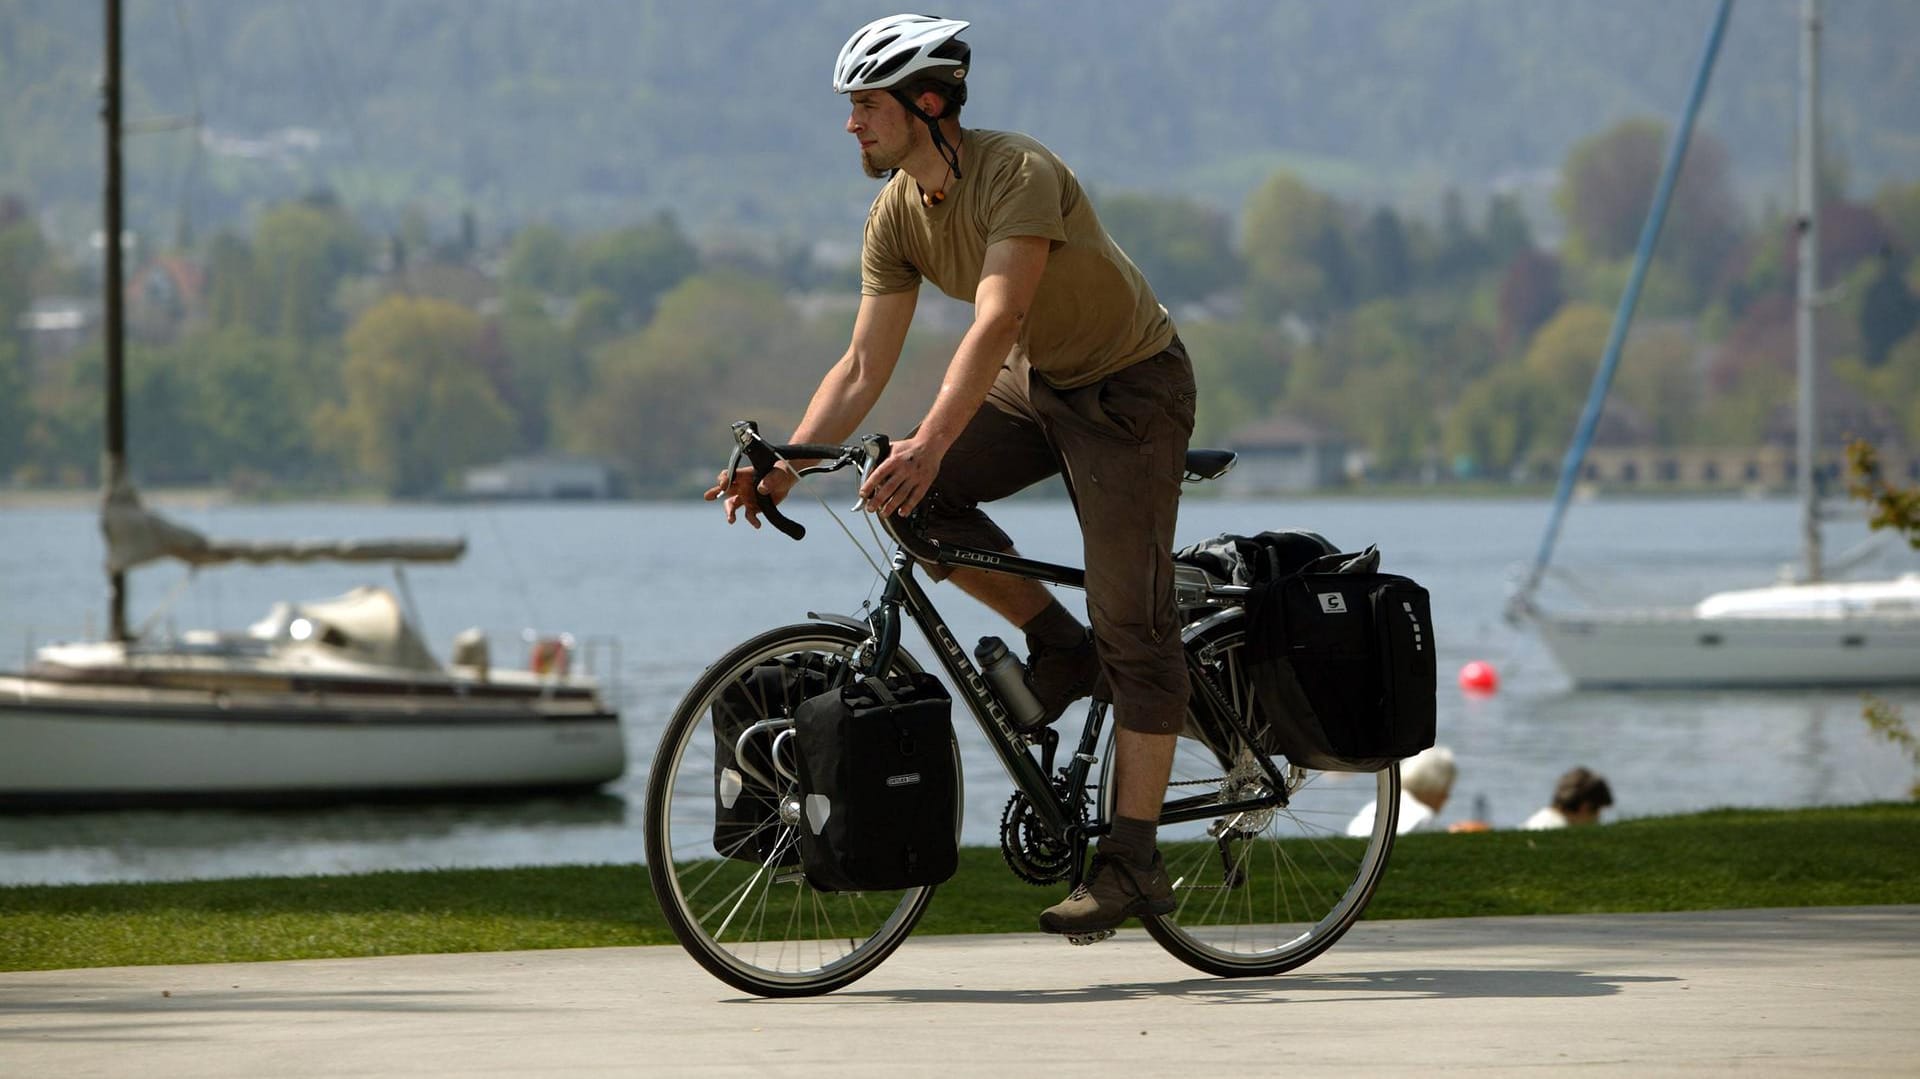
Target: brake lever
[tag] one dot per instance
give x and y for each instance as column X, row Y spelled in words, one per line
column 733, row 466
column 877, row 447
column 747, row 434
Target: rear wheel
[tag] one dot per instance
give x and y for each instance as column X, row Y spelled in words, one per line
column 751, row 919
column 1265, row 891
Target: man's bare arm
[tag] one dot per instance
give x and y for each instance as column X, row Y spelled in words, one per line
column 1009, row 279
column 844, row 397
column 850, row 388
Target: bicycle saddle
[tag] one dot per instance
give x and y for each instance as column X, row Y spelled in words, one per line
column 1209, row 464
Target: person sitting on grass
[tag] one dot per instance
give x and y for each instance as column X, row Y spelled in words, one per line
column 1577, row 799
column 1426, row 779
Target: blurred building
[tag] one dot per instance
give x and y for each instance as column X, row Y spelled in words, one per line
column 547, row 476
column 1285, row 454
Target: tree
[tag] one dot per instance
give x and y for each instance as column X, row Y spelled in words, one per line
column 1387, row 408
column 638, row 263
column 595, row 319
column 1384, row 257
column 1888, row 312
column 1396, row 369
column 418, row 404
column 1658, row 378
column 1508, row 233
column 1184, row 248
column 1240, row 369
column 1567, row 350
column 63, row 436
column 1508, row 422
column 542, row 364
column 301, row 250
column 1899, row 206
column 253, row 400
column 15, row 408
column 1895, row 383
column 541, row 259
column 1607, row 189
column 1461, row 252
column 1294, row 241
column 234, row 288
column 1530, row 293
column 721, row 347
column 1896, row 509
column 21, row 251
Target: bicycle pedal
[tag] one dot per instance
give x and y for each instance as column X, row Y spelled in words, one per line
column 1082, row 939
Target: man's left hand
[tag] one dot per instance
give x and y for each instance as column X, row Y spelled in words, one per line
column 904, row 478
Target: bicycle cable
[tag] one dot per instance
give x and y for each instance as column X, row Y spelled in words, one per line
column 800, row 480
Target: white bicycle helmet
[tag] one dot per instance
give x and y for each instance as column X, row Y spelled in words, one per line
column 890, row 51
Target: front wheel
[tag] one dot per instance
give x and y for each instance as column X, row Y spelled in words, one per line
column 732, row 889
column 1264, row 891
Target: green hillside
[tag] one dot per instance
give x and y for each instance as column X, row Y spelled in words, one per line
column 596, row 112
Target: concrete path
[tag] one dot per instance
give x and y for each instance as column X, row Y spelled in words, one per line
column 1789, row 992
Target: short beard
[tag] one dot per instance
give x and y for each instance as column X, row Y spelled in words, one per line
column 879, row 168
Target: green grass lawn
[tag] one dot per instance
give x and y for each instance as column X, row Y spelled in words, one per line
column 1854, row 855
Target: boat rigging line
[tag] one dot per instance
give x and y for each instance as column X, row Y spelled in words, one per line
column 1522, row 602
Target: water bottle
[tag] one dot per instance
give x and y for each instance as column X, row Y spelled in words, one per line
column 1008, row 677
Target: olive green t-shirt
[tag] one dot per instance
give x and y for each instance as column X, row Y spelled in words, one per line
column 1094, row 312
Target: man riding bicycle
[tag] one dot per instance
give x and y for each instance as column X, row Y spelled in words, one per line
column 1081, row 375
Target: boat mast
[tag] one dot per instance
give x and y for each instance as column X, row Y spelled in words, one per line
column 1806, row 443
column 1521, row 603
column 115, row 465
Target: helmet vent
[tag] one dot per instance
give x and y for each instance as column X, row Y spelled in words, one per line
column 890, row 65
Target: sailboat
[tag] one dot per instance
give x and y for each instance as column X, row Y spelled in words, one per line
column 339, row 698
column 1810, row 632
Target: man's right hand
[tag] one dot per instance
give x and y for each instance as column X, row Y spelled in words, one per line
column 739, row 496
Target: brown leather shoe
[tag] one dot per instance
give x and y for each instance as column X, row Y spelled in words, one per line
column 1114, row 891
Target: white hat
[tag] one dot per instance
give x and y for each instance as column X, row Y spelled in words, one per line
column 1429, row 772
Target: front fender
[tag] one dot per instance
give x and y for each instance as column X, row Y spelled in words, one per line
column 842, row 620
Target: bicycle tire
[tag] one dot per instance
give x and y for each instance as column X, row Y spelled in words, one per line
column 794, row 940
column 1302, row 881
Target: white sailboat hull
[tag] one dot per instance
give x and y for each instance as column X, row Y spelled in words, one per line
column 105, row 744
column 1680, row 649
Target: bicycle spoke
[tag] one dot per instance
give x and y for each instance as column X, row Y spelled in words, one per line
column 1262, row 890
column 734, row 894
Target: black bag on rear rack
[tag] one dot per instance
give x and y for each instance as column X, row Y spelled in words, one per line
column 879, row 801
column 1248, row 560
column 1342, row 658
column 746, row 812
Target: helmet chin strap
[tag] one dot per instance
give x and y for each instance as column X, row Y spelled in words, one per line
column 947, row 153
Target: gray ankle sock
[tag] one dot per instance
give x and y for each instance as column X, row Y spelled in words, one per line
column 1132, row 839
column 1054, row 628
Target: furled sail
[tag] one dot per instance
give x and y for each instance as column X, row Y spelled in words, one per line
column 137, row 535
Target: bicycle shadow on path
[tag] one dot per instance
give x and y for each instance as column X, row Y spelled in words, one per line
column 1441, row 983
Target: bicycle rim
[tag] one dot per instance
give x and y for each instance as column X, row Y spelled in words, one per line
column 752, row 920
column 1264, row 892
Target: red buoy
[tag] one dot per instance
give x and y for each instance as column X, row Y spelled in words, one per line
column 1478, row 678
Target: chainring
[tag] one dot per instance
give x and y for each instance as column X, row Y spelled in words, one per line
column 1034, row 856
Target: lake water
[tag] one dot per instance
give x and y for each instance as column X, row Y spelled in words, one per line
column 669, row 587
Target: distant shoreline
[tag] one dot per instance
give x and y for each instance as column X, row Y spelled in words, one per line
column 202, row 498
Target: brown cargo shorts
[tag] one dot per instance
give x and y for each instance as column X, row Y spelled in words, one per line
column 1121, row 445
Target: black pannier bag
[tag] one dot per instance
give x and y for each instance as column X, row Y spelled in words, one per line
column 746, row 813
column 879, row 804
column 1342, row 659
column 1247, row 560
